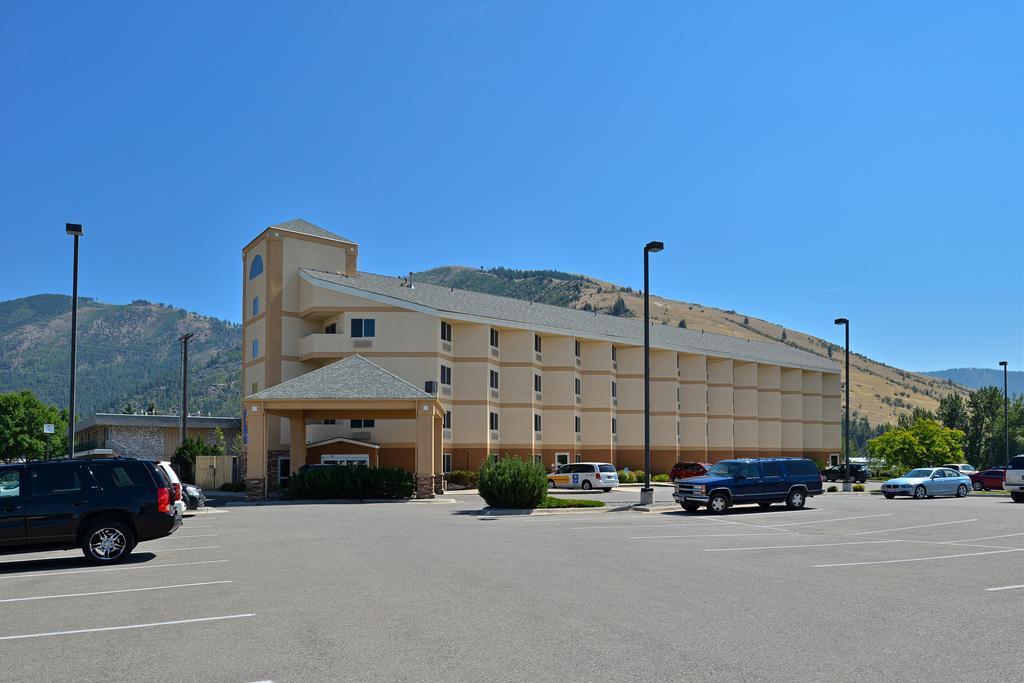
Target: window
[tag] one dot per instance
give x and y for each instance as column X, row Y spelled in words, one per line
column 446, row 331
column 615, row 426
column 446, row 462
column 577, row 348
column 771, row 469
column 494, row 338
column 256, row 267
column 615, row 390
column 536, row 383
column 255, row 348
column 447, row 422
column 255, row 387
column 120, row 475
column 561, row 459
column 446, row 375
column 577, row 386
column 330, row 422
column 614, row 355
column 749, row 469
column 56, row 479
column 494, row 379
column 802, row 467
column 364, row 327
column 536, row 343
column 331, row 329
column 536, row 423
column 361, row 424
column 10, row 483
column 577, row 423
column 255, row 306
column 494, row 422
column 284, row 470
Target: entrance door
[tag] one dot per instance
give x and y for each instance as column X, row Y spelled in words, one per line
column 561, row 459
column 284, row 471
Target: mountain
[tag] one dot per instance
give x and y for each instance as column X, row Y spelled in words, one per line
column 127, row 355
column 976, row 378
column 878, row 392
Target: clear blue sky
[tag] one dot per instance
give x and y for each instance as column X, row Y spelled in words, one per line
column 801, row 160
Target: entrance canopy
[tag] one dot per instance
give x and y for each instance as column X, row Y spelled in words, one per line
column 353, row 388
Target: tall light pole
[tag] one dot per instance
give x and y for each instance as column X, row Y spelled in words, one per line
column 75, row 230
column 846, row 436
column 647, row 493
column 1006, row 411
column 184, row 339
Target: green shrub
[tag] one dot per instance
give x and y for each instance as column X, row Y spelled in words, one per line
column 552, row 502
column 832, row 489
column 858, row 487
column 512, row 482
column 660, row 478
column 350, row 482
column 466, row 478
column 626, row 477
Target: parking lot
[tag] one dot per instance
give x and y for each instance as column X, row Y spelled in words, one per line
column 852, row 586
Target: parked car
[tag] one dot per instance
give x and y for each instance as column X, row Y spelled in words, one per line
column 735, row 482
column 685, row 470
column 193, row 496
column 585, row 475
column 963, row 468
column 858, row 472
column 104, row 506
column 172, row 477
column 1014, row 482
column 928, row 482
column 988, row 480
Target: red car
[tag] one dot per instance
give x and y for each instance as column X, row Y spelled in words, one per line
column 988, row 480
column 685, row 470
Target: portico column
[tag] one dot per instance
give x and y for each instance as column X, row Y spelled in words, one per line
column 255, row 452
column 438, row 454
column 424, row 449
column 297, row 442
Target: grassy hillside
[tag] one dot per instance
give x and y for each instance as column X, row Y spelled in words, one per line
column 127, row 355
column 878, row 392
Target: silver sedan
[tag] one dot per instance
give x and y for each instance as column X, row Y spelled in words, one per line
column 926, row 482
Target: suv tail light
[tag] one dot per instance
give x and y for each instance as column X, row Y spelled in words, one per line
column 597, row 474
column 163, row 499
column 177, row 491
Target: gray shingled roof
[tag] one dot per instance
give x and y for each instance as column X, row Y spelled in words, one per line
column 306, row 228
column 354, row 377
column 499, row 310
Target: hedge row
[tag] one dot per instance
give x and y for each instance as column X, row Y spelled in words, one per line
column 350, row 482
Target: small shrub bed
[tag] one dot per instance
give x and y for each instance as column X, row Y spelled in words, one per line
column 832, row 489
column 466, row 478
column 631, row 476
column 660, row 478
column 551, row 502
column 512, row 483
column 350, row 482
column 237, row 486
column 858, row 487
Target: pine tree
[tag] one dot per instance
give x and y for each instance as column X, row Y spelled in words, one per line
column 620, row 309
column 682, row 324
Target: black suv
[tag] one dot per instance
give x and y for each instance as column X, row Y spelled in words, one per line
column 105, row 506
column 858, row 473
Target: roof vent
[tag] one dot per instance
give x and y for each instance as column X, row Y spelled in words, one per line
column 411, row 285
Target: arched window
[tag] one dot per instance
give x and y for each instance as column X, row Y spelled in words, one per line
column 256, row 267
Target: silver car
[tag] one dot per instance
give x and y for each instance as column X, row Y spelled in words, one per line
column 926, row 482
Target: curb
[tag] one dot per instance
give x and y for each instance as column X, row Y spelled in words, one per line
column 340, row 501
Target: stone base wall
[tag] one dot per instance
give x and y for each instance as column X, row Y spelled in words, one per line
column 425, row 486
column 138, row 442
column 274, row 467
column 439, row 484
column 254, row 489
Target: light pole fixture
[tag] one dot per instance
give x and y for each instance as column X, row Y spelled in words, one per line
column 75, row 230
column 1006, row 411
column 647, row 493
column 847, row 486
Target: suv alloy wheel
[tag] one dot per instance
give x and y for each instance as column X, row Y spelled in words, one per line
column 107, row 542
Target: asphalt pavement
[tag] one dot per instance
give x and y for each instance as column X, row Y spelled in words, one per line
column 854, row 586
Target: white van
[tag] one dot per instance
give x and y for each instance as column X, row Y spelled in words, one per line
column 584, row 475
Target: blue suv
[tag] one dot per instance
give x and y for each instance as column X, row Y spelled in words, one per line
column 735, row 482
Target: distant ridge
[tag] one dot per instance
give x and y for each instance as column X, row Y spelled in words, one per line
column 976, row 378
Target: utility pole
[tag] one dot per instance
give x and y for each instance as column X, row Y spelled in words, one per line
column 1006, row 411
column 184, row 339
column 75, row 230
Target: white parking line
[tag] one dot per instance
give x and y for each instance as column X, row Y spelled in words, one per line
column 644, row 538
column 122, row 590
column 175, row 538
column 176, row 550
column 825, row 521
column 123, row 628
column 918, row 559
column 1005, row 588
column 920, row 526
column 788, row 547
column 634, row 526
column 25, row 575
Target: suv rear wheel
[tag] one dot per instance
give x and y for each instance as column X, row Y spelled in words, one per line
column 718, row 503
column 796, row 499
column 107, row 542
column 1016, row 497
